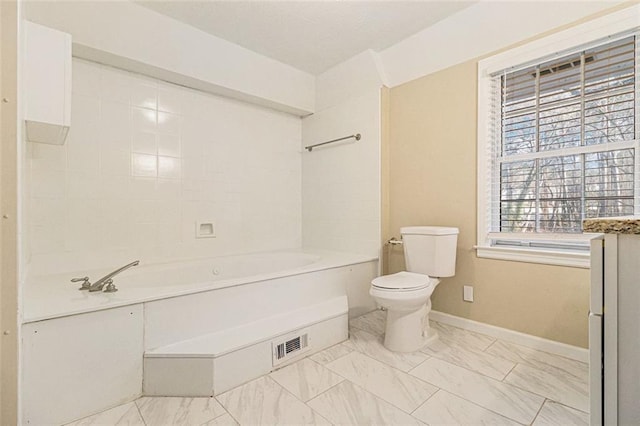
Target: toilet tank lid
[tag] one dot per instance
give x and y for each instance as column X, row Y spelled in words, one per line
column 428, row 230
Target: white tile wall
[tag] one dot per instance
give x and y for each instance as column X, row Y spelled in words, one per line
column 145, row 160
column 341, row 182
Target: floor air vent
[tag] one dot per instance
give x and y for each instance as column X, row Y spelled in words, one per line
column 290, row 346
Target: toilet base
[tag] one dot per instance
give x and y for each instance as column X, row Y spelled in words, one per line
column 409, row 331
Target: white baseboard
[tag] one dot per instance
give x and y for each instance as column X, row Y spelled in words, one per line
column 534, row 342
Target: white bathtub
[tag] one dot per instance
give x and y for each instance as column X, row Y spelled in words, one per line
column 179, row 325
column 52, row 296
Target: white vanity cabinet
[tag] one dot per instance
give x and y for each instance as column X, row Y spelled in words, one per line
column 46, row 83
column 614, row 340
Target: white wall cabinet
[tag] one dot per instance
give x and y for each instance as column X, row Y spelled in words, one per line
column 47, row 83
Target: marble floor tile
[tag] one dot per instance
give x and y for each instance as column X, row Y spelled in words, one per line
column 397, row 387
column 553, row 414
column 223, row 420
column 306, row 378
column 540, row 360
column 348, row 404
column 509, row 401
column 374, row 322
column 265, row 402
column 456, row 380
column 457, row 336
column 331, row 354
column 444, row 408
column 472, row 359
column 126, row 414
column 178, row 411
column 555, row 386
column 372, row 345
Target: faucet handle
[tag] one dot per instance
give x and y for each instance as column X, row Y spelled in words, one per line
column 85, row 282
column 110, row 286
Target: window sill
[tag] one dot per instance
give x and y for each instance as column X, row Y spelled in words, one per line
column 547, row 257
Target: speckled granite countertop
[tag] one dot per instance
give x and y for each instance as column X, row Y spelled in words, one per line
column 613, row 225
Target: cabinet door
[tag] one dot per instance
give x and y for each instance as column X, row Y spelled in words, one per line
column 628, row 342
column 47, row 83
column 81, row 364
column 595, row 369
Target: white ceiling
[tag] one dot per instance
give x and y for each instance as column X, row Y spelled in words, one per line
column 312, row 36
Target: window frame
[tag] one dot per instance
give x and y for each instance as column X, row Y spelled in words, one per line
column 608, row 28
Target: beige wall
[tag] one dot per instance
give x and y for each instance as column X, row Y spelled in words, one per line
column 8, row 230
column 432, row 181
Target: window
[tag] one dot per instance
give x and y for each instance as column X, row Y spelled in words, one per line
column 565, row 141
column 560, row 145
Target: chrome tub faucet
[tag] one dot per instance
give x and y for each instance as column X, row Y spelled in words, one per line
column 105, row 282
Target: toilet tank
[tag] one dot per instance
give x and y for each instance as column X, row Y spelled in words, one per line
column 430, row 250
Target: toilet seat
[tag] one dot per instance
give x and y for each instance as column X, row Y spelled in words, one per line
column 402, row 281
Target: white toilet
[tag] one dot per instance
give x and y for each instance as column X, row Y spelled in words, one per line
column 430, row 254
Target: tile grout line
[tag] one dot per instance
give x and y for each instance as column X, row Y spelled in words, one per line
column 425, row 401
column 398, row 371
column 298, row 399
column 321, row 365
column 413, row 368
column 474, row 352
column 539, row 410
column 319, row 415
column 312, row 360
column 567, row 406
column 344, row 379
column 367, row 331
column 527, row 349
column 139, row 412
column 489, row 379
column 223, row 407
column 379, row 397
column 306, row 402
column 491, row 344
column 569, row 377
column 225, row 410
column 470, row 402
column 267, row 377
column 542, row 396
column 333, row 360
column 527, row 362
column 370, row 393
column 455, row 394
column 515, row 364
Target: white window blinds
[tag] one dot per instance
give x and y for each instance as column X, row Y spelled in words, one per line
column 565, row 140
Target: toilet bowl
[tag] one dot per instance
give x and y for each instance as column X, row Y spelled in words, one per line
column 406, row 298
column 430, row 253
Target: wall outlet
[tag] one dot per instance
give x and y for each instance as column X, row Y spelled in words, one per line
column 467, row 293
column 205, row 229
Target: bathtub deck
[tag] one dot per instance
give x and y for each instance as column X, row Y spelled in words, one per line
column 53, row 295
column 221, row 343
column 214, row 363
